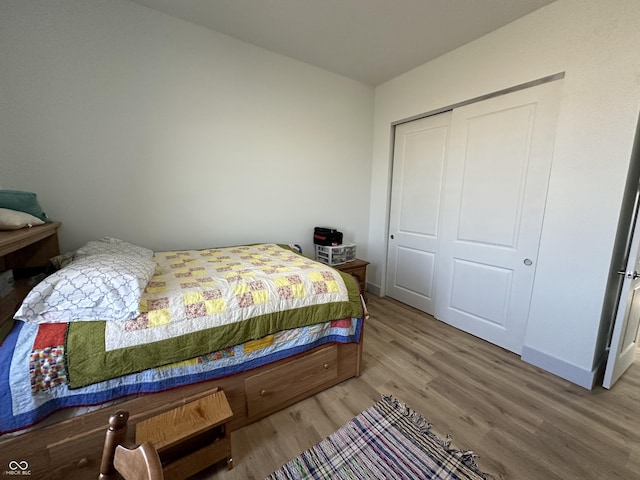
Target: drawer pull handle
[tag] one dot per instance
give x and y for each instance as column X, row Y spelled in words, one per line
column 263, row 392
column 83, row 462
column 326, row 366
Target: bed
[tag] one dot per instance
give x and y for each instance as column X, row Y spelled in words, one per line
column 261, row 322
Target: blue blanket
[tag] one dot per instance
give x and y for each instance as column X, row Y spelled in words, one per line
column 33, row 381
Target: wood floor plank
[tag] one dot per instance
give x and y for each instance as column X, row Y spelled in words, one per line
column 521, row 422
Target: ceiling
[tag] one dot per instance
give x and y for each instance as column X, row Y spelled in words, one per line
column 370, row 41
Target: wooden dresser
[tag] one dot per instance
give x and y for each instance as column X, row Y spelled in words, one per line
column 23, row 251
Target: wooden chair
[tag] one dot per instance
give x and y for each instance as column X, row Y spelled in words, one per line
column 133, row 462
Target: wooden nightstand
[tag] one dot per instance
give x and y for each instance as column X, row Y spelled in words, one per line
column 358, row 269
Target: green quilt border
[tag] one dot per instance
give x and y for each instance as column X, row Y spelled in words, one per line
column 87, row 362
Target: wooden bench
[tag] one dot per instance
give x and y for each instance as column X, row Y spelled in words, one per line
column 190, row 437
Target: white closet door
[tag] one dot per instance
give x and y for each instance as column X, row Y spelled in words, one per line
column 497, row 174
column 418, row 167
column 624, row 340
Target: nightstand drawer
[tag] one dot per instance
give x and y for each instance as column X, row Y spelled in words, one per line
column 357, row 269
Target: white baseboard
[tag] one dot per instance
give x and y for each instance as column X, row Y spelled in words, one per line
column 568, row 371
column 375, row 289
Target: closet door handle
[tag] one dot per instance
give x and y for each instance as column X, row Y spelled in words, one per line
column 392, row 237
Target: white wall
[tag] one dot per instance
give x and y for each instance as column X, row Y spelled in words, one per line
column 596, row 44
column 133, row 124
column 130, row 123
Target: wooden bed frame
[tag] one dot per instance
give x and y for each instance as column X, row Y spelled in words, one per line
column 72, row 448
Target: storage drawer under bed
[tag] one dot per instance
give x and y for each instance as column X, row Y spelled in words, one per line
column 268, row 390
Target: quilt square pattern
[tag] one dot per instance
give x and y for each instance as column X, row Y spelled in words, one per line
column 200, row 289
column 46, row 362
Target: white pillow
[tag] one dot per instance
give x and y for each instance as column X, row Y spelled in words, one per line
column 112, row 245
column 14, row 220
column 98, row 287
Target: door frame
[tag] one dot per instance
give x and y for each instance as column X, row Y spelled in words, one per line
column 627, row 226
column 497, row 93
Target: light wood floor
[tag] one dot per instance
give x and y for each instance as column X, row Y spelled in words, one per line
column 522, row 422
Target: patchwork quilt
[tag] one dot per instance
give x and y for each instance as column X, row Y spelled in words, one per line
column 201, row 301
column 35, row 384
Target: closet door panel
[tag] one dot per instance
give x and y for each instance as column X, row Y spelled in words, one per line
column 415, row 271
column 497, row 170
column 496, row 155
column 414, row 221
column 421, row 176
column 481, row 291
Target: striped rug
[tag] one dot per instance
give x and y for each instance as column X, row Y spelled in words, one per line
column 386, row 441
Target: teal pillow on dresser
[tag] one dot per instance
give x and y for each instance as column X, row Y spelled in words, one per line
column 23, row 202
